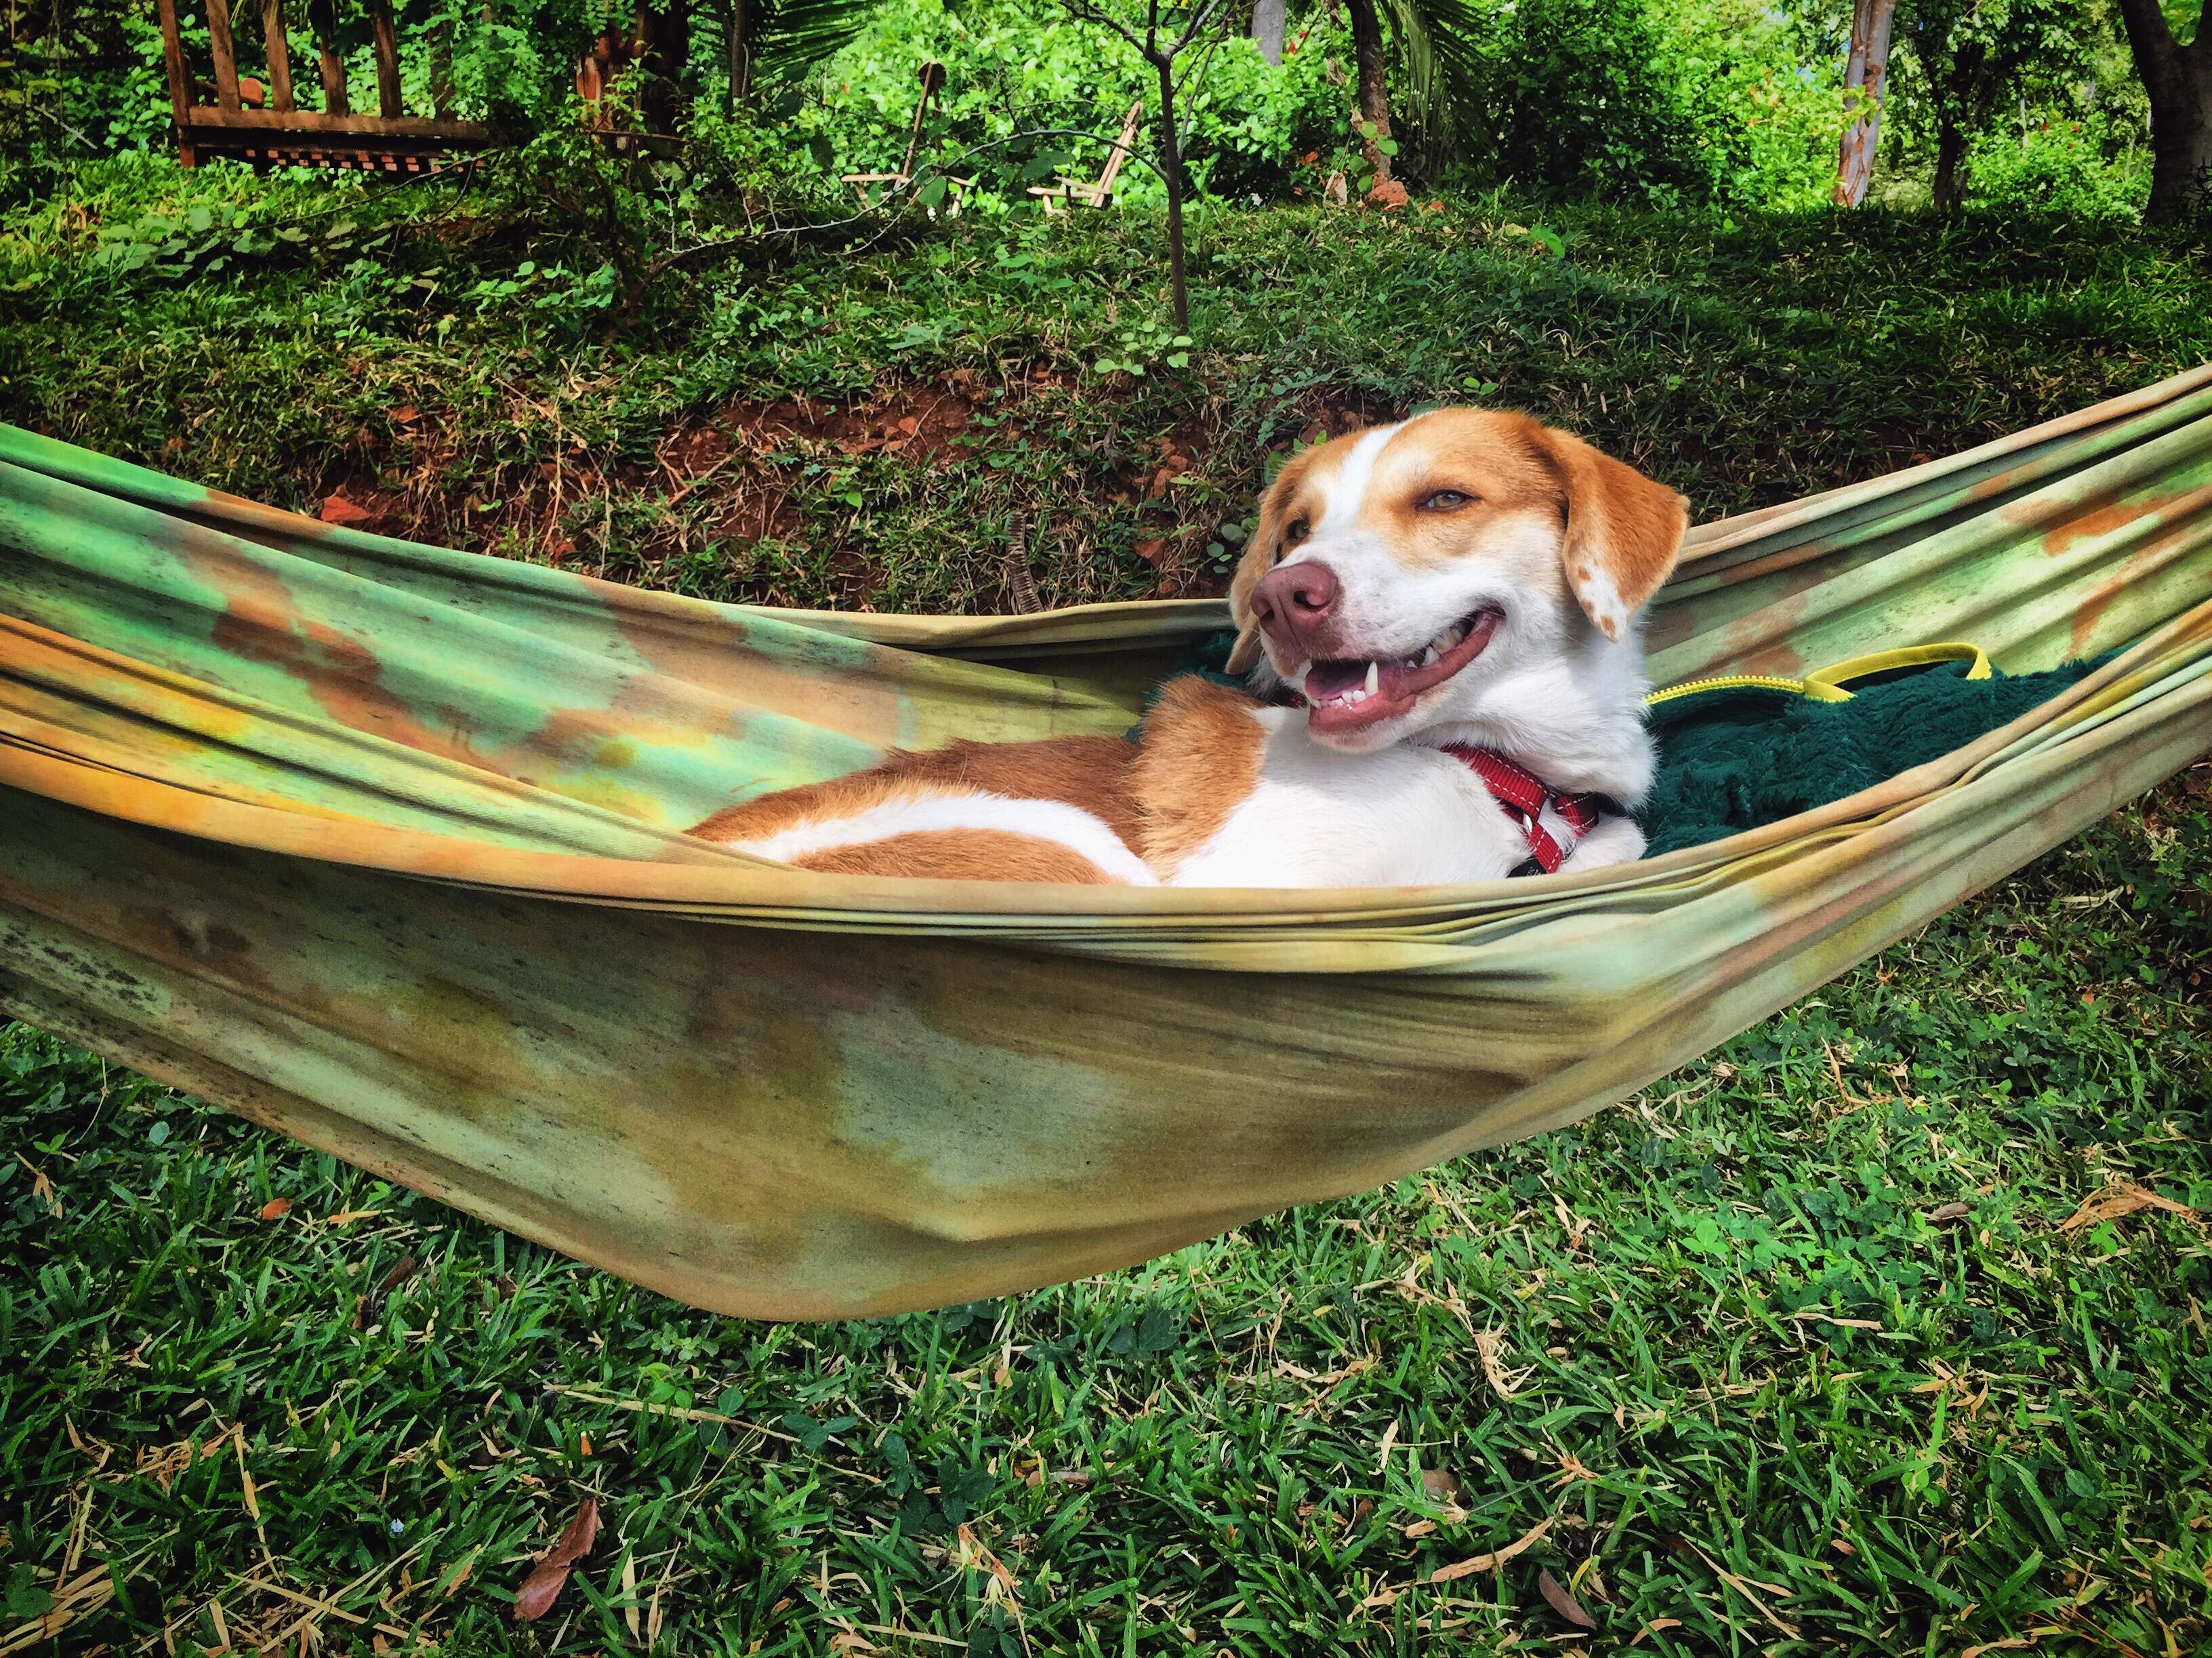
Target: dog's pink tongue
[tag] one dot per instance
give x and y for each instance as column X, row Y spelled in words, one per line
column 1327, row 680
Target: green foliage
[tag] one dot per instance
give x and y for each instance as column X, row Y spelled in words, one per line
column 1799, row 1337
column 1030, row 96
column 2058, row 169
column 566, row 318
column 1581, row 106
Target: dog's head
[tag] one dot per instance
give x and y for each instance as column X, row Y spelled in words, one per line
column 1395, row 571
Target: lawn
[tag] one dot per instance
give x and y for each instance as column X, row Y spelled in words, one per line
column 1879, row 1330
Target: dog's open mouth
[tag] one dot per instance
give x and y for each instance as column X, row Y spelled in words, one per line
column 1351, row 693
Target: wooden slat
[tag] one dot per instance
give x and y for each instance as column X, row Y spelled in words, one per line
column 211, row 121
column 387, row 59
column 335, row 101
column 280, row 56
column 226, row 58
column 180, row 89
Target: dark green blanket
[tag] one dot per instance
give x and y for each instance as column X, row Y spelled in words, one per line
column 1732, row 760
column 1739, row 758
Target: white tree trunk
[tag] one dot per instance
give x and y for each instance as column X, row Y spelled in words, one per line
column 1270, row 23
column 1865, row 76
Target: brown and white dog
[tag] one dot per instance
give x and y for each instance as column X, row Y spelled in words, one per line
column 1439, row 622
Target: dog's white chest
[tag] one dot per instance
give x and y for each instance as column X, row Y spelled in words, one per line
column 1403, row 816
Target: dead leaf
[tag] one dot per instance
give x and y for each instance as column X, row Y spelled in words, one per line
column 402, row 1269
column 336, row 509
column 405, row 414
column 1556, row 1597
column 1654, row 1627
column 1441, row 1483
column 1944, row 1214
column 1489, row 1348
column 1493, row 1560
column 2124, row 1198
column 275, row 1208
column 42, row 1189
column 347, row 1217
column 550, row 1576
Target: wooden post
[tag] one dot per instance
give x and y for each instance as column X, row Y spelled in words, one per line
column 441, row 70
column 180, row 88
column 226, row 58
column 387, row 60
column 323, row 19
column 280, row 55
column 335, row 101
column 932, row 76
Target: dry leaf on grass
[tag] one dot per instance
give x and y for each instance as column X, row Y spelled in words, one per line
column 402, row 1269
column 1493, row 1560
column 1556, row 1597
column 276, row 1209
column 1489, row 1348
column 2124, row 1199
column 550, row 1576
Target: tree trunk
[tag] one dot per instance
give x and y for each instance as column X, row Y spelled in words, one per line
column 2179, row 79
column 1374, row 85
column 739, row 90
column 1172, row 166
column 1270, row 23
column 1950, row 155
column 668, row 44
column 1865, row 74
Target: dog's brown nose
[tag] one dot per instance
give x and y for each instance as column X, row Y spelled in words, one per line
column 1292, row 600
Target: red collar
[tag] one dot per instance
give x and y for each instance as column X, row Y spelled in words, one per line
column 1545, row 817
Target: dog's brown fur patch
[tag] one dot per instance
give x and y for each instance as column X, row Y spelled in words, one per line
column 961, row 855
column 1199, row 762
column 1091, row 773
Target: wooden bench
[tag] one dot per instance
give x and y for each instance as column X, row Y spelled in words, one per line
column 281, row 134
column 1098, row 193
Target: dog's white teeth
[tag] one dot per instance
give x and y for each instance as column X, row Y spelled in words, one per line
column 1444, row 641
column 1426, row 659
column 1374, row 678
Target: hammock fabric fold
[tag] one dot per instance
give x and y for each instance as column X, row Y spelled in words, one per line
column 380, row 846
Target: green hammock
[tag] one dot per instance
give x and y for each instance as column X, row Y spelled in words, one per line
column 380, row 846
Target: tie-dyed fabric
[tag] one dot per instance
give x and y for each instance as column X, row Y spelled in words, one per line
column 381, row 845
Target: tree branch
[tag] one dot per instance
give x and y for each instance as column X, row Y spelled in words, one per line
column 1198, row 20
column 1083, row 12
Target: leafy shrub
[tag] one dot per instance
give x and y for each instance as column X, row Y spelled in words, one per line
column 2056, row 168
column 1580, row 105
column 1023, row 87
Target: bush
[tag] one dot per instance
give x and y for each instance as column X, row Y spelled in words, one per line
column 1012, row 70
column 2056, row 167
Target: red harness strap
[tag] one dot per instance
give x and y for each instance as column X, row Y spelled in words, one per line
column 1524, row 798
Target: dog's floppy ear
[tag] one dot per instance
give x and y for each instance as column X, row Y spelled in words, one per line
column 1624, row 533
column 1259, row 558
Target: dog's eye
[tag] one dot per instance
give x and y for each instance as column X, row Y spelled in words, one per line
column 1446, row 501
column 1298, row 530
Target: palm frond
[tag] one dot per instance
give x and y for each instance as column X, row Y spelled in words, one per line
column 789, row 35
column 1439, row 60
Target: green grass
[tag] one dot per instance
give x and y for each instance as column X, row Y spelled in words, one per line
column 1798, row 1354
column 452, row 366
